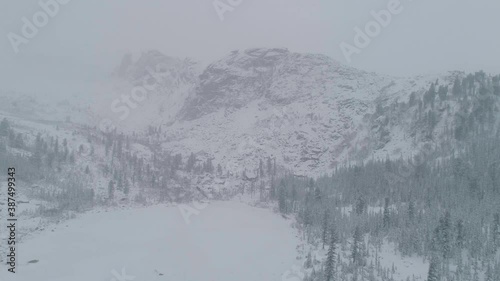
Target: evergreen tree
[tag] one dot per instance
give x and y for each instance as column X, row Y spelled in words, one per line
column 269, row 166
column 386, row 213
column 120, row 182
column 412, row 101
column 50, row 160
column 281, row 197
column 308, row 263
column 3, row 147
column 330, row 259
column 445, row 235
column 4, row 127
column 496, row 230
column 39, row 143
column 19, row 141
column 153, row 181
column 209, row 167
column 37, row 159
column 317, row 193
column 294, row 197
column 56, row 148
column 442, row 92
column 360, row 205
column 357, row 246
column 324, row 236
column 272, row 191
column 460, row 240
column 190, row 162
column 261, row 191
column 310, row 185
column 457, row 88
column 433, row 274
column 411, row 211
column 475, row 277
column 111, row 189
column 72, row 159
column 489, row 274
column 126, row 187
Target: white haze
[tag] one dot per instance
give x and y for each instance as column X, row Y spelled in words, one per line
column 86, row 39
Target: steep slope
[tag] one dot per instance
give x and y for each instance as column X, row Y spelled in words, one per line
column 308, row 111
column 141, row 92
column 276, row 75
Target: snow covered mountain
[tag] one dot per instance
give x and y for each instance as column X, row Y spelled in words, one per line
column 308, row 111
column 140, row 92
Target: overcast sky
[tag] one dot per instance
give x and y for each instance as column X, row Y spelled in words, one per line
column 86, row 38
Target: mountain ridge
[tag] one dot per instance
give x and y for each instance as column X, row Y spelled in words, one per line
column 307, row 110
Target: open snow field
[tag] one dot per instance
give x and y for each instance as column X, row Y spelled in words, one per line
column 225, row 241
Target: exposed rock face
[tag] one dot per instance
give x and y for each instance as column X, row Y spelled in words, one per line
column 308, row 111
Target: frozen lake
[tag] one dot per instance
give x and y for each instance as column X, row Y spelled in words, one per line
column 225, row 241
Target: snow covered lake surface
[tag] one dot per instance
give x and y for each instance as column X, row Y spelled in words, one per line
column 226, row 241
